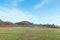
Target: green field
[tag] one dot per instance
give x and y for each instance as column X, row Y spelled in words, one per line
column 29, row 33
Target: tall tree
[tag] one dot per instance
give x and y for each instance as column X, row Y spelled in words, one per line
column 1, row 20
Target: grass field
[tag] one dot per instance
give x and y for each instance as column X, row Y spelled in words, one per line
column 29, row 33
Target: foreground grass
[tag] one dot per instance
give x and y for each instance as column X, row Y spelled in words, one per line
column 29, row 33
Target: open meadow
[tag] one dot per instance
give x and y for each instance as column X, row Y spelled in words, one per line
column 29, row 33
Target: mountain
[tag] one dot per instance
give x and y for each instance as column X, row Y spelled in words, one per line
column 25, row 23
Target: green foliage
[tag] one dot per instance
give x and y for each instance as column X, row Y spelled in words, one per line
column 1, row 20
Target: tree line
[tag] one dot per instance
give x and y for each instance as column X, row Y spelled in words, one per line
column 29, row 24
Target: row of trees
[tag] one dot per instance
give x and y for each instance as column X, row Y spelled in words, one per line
column 26, row 23
column 51, row 25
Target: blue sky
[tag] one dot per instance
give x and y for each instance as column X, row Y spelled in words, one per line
column 36, row 11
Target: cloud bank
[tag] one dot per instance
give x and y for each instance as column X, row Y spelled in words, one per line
column 16, row 15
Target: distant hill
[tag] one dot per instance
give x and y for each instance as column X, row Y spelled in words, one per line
column 25, row 23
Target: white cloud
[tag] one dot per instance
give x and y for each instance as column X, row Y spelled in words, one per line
column 16, row 15
column 41, row 4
